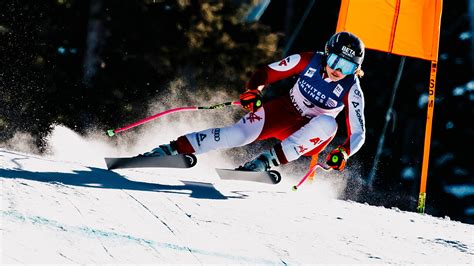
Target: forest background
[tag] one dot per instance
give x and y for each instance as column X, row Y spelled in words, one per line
column 95, row 65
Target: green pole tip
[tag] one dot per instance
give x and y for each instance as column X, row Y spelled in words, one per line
column 294, row 188
column 110, row 133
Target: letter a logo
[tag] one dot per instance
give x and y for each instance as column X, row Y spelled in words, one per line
column 315, row 141
column 200, row 137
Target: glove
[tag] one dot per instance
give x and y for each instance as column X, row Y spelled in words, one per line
column 251, row 100
column 337, row 158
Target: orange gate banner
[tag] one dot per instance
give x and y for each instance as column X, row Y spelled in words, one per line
column 406, row 28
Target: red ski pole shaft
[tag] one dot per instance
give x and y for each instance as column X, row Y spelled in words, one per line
column 310, row 171
column 112, row 132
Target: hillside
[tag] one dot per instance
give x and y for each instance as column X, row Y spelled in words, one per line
column 61, row 211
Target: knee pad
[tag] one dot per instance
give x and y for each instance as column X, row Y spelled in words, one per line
column 326, row 124
column 315, row 133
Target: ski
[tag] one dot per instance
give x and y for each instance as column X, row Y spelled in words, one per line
column 174, row 161
column 268, row 177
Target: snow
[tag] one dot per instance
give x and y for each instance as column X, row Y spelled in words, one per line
column 66, row 208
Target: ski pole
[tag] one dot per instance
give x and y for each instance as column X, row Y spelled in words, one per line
column 310, row 171
column 112, row 132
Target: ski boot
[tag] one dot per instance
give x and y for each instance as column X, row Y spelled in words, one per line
column 162, row 150
column 263, row 162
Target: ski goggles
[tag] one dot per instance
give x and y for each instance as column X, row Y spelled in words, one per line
column 338, row 63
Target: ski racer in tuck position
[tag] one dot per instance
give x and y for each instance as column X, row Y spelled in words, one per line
column 304, row 119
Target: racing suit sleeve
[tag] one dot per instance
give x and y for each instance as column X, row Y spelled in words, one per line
column 287, row 67
column 355, row 120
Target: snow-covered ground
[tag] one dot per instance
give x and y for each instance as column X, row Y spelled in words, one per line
column 66, row 209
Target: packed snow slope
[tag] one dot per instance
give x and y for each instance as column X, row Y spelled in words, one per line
column 57, row 211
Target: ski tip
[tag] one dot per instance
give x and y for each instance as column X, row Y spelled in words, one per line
column 110, row 133
column 110, row 162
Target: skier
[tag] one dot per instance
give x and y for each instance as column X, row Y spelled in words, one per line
column 304, row 119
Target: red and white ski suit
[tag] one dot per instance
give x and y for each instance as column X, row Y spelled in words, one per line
column 304, row 119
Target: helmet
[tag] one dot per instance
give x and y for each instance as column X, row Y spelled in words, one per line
column 347, row 46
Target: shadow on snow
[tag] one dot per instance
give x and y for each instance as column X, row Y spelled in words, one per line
column 100, row 178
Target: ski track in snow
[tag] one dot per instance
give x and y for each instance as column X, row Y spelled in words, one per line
column 63, row 212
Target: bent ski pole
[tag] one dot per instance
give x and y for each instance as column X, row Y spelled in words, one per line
column 310, row 171
column 112, row 132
